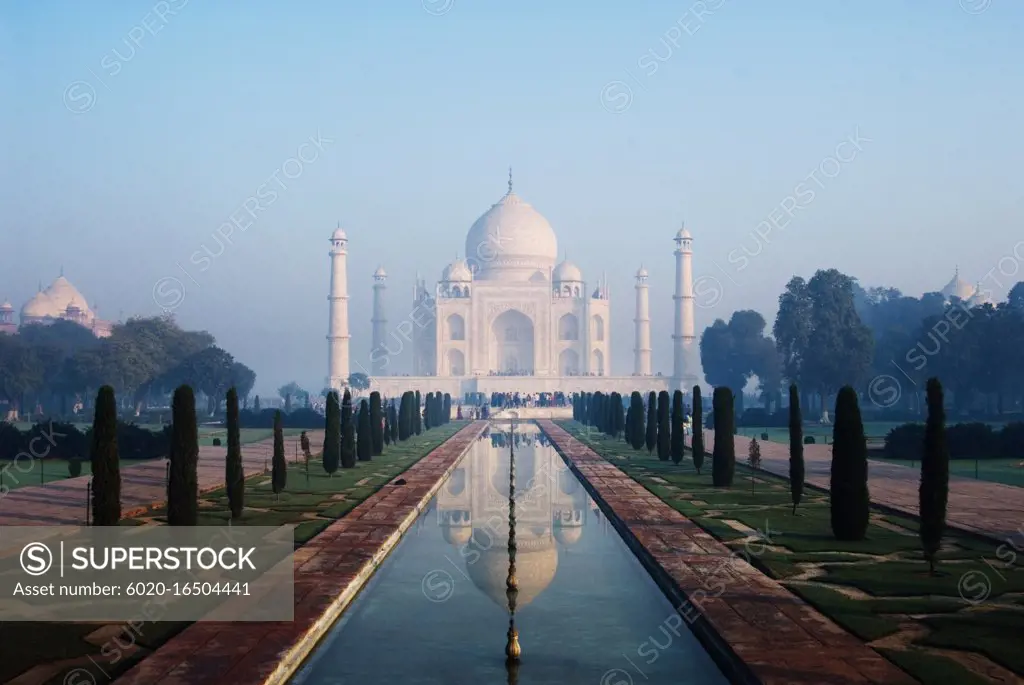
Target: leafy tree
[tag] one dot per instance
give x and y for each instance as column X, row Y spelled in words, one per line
column 934, row 490
column 732, row 353
column 753, row 459
column 849, row 481
column 723, row 457
column 292, row 392
column 234, row 474
column 106, row 469
column 664, row 427
column 210, row 371
column 332, row 434
column 697, row 444
column 376, row 424
column 796, row 447
column 348, row 432
column 651, row 438
column 792, row 328
column 183, row 485
column 359, row 381
column 304, row 445
column 278, row 465
column 676, row 436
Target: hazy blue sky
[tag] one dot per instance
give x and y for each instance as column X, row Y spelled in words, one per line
column 615, row 134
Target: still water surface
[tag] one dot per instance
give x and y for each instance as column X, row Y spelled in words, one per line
column 436, row 611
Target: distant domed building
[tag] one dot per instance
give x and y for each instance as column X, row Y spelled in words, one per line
column 61, row 301
column 971, row 295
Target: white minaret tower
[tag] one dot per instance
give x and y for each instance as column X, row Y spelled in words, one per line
column 683, row 368
column 379, row 322
column 337, row 329
column 642, row 351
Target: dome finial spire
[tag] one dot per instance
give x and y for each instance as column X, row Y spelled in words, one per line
column 62, row 270
column 510, row 179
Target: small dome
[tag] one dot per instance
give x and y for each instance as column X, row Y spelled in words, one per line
column 641, row 272
column 457, row 535
column 6, row 307
column 567, row 271
column 683, row 234
column 568, row 535
column 380, row 273
column 339, row 234
column 980, row 298
column 457, row 271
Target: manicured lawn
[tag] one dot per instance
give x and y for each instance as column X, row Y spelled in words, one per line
column 312, row 505
column 1005, row 471
column 871, row 587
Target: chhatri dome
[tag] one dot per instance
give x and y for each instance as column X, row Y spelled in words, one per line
column 512, row 241
column 567, row 271
column 457, row 271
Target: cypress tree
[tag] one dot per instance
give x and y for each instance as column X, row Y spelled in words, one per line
column 664, row 427
column 183, row 485
column 417, row 417
column 676, row 436
column 234, row 474
column 364, row 439
column 613, row 405
column 850, row 503
column 796, row 447
column 304, row 444
column 393, row 413
column 106, row 467
column 636, row 430
column 651, row 439
column 697, row 443
column 934, row 490
column 404, row 420
column 332, row 436
column 278, row 466
column 376, row 424
column 256, row 405
column 348, row 432
column 447, row 408
column 387, row 426
column 428, row 410
column 723, row 458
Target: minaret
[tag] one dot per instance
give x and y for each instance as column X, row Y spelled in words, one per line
column 683, row 368
column 337, row 329
column 379, row 323
column 642, row 351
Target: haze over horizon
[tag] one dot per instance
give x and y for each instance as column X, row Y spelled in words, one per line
column 136, row 133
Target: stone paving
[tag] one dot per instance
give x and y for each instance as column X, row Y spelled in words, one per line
column 329, row 571
column 143, row 485
column 781, row 639
column 982, row 507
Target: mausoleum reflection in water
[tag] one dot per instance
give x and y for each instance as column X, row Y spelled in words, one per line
column 437, row 610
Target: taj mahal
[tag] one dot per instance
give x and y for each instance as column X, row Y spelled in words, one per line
column 510, row 317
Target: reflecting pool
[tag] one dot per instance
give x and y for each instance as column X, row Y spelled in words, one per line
column 437, row 611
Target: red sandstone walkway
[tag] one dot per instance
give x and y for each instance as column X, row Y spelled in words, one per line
column 143, row 485
column 991, row 509
column 329, row 570
column 781, row 639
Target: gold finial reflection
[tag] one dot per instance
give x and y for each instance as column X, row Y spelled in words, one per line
column 512, row 649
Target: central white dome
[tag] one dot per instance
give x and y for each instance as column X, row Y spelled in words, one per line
column 511, row 241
